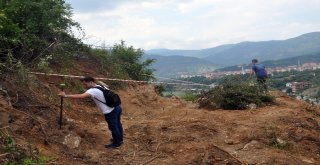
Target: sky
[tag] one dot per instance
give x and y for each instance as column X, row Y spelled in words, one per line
column 193, row 24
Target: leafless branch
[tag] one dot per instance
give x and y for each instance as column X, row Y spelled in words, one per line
column 4, row 127
column 4, row 154
column 8, row 97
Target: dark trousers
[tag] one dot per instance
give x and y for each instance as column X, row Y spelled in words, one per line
column 262, row 82
column 114, row 124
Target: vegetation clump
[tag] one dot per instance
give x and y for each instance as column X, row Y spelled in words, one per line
column 234, row 94
column 189, row 96
column 19, row 154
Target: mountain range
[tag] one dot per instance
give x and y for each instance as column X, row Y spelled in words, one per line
column 233, row 54
column 279, row 63
column 172, row 66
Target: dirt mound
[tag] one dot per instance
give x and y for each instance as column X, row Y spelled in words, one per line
column 157, row 130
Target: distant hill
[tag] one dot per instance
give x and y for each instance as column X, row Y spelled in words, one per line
column 280, row 63
column 173, row 66
column 269, row 50
column 233, row 54
column 191, row 53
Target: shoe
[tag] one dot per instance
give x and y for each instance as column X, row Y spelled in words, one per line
column 111, row 140
column 113, row 146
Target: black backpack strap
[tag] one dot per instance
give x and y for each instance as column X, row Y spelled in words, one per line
column 102, row 89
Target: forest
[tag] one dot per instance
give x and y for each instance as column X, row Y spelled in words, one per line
column 36, row 35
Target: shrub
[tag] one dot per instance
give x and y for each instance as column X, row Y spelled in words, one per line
column 159, row 89
column 18, row 155
column 275, row 141
column 189, row 96
column 234, row 95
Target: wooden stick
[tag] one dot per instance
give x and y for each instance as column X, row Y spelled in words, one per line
column 8, row 97
column 4, row 127
column 4, row 154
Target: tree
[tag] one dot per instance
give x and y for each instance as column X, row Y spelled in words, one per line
column 35, row 29
column 130, row 59
column 318, row 94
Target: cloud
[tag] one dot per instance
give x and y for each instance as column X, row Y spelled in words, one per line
column 195, row 24
column 88, row 6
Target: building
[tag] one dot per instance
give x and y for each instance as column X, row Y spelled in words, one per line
column 295, row 86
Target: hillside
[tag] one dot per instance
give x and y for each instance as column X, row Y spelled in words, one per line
column 243, row 52
column 190, row 53
column 270, row 50
column 41, row 36
column 157, row 130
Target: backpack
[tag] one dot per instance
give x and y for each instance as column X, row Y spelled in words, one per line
column 112, row 99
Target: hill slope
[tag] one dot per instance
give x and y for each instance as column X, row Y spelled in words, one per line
column 270, row 50
column 157, row 130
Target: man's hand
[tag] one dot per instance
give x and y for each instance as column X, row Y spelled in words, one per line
column 62, row 94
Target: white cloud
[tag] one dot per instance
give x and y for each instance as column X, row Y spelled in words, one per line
column 195, row 24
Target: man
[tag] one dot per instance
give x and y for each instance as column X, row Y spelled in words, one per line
column 261, row 73
column 112, row 114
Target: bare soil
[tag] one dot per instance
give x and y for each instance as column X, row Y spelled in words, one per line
column 157, row 130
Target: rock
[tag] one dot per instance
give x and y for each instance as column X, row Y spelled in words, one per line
column 229, row 141
column 232, row 140
column 252, row 106
column 252, row 145
column 72, row 141
column 311, row 161
column 136, row 101
column 281, row 142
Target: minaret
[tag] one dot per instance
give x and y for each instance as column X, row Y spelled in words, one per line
column 299, row 65
column 242, row 70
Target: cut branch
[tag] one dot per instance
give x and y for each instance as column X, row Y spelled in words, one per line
column 4, row 154
column 8, row 97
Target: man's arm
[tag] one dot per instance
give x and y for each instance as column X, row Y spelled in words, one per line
column 75, row 96
column 253, row 70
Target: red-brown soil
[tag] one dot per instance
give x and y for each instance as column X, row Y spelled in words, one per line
column 157, row 130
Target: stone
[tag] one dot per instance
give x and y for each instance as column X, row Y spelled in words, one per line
column 72, row 141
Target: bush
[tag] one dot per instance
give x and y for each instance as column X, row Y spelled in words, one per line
column 277, row 142
column 15, row 154
column 189, row 96
column 234, row 95
column 159, row 89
